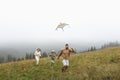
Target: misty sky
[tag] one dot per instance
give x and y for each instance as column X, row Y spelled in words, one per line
column 36, row 20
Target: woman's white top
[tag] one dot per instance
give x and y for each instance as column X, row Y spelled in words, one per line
column 37, row 53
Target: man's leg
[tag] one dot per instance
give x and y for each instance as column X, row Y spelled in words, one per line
column 67, row 64
column 64, row 65
column 63, row 68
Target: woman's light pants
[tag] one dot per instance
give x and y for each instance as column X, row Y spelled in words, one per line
column 37, row 58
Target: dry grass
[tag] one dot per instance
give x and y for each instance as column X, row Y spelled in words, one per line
column 97, row 65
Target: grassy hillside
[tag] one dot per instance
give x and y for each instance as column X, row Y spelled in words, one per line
column 97, row 65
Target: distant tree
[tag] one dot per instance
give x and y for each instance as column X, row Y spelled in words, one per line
column 110, row 44
column 22, row 58
column 1, row 59
column 44, row 54
column 18, row 59
column 92, row 49
column 9, row 58
column 27, row 56
column 14, row 59
column 31, row 56
column 88, row 50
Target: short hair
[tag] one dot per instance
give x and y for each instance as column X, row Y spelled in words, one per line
column 38, row 49
column 66, row 45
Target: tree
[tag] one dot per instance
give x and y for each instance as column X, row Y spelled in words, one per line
column 92, row 49
column 44, row 54
column 27, row 56
column 1, row 59
column 14, row 59
column 9, row 58
column 110, row 44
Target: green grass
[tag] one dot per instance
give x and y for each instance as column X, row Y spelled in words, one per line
column 97, row 65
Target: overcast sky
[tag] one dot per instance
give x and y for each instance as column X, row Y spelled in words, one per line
column 36, row 20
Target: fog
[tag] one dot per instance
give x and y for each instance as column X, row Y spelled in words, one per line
column 26, row 24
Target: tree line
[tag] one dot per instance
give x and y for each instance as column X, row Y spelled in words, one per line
column 11, row 58
column 106, row 45
column 111, row 44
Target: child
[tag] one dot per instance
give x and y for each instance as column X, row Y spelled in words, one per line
column 52, row 57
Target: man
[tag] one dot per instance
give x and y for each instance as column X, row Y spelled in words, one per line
column 65, row 53
column 37, row 55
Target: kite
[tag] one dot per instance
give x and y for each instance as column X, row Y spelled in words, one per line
column 61, row 25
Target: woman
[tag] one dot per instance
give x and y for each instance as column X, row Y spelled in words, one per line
column 37, row 55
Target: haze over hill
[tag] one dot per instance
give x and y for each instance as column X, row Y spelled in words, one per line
column 20, row 49
column 24, row 28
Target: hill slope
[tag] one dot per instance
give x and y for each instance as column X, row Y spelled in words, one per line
column 97, row 65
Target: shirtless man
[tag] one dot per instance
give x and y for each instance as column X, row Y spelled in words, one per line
column 65, row 53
